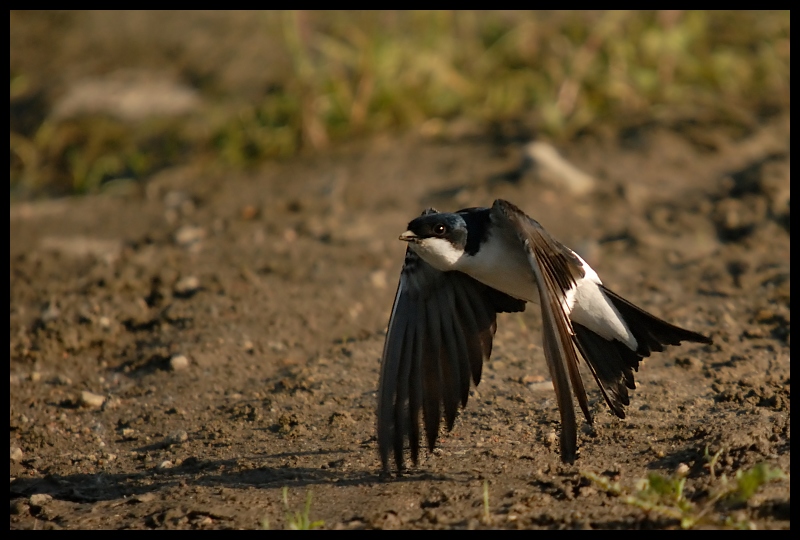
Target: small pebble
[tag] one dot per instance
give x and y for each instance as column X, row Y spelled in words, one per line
column 532, row 379
column 61, row 380
column 249, row 212
column 178, row 362
column 111, row 403
column 188, row 235
column 378, row 279
column 91, row 400
column 16, row 453
column 551, row 438
column 177, row 437
column 40, row 499
column 186, row 286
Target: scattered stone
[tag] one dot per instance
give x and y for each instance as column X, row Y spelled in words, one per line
column 187, row 286
column 532, row 379
column 378, row 279
column 16, row 453
column 551, row 438
column 176, row 437
column 543, row 386
column 289, row 235
column 40, row 499
column 681, row 470
column 91, row 400
column 189, row 235
column 35, row 376
column 558, row 170
column 356, row 309
column 61, row 380
column 166, row 464
column 249, row 212
column 178, row 362
column 112, row 403
column 204, row 521
column 128, row 94
column 248, row 346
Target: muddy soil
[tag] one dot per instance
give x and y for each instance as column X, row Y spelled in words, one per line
column 182, row 351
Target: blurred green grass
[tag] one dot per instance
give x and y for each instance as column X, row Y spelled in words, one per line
column 340, row 75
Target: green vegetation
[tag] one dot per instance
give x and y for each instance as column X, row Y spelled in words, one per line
column 664, row 496
column 347, row 74
column 297, row 521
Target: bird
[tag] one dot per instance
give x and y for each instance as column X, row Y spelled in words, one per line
column 460, row 270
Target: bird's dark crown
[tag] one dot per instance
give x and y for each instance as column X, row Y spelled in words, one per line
column 451, row 227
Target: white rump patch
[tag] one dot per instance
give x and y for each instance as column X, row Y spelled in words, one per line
column 595, row 311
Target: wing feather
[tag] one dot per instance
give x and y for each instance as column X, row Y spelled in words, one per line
column 556, row 270
column 451, row 355
column 440, row 333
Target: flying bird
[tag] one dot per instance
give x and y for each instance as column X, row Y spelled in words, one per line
column 463, row 268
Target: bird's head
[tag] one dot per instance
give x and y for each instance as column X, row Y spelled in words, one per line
column 439, row 238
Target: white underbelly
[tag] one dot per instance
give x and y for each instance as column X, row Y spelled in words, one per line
column 502, row 265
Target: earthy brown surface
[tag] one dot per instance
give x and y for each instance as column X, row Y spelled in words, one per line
column 277, row 288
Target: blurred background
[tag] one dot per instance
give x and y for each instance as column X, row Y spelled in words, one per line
column 104, row 98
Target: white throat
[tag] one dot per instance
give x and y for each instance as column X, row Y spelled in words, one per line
column 438, row 252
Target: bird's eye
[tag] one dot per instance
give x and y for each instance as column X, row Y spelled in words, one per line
column 439, row 229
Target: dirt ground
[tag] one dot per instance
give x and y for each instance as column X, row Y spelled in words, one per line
column 183, row 351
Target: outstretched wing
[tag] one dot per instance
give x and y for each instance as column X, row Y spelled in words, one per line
column 440, row 333
column 557, row 270
column 612, row 334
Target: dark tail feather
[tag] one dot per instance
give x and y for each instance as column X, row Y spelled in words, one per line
column 612, row 363
column 651, row 332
